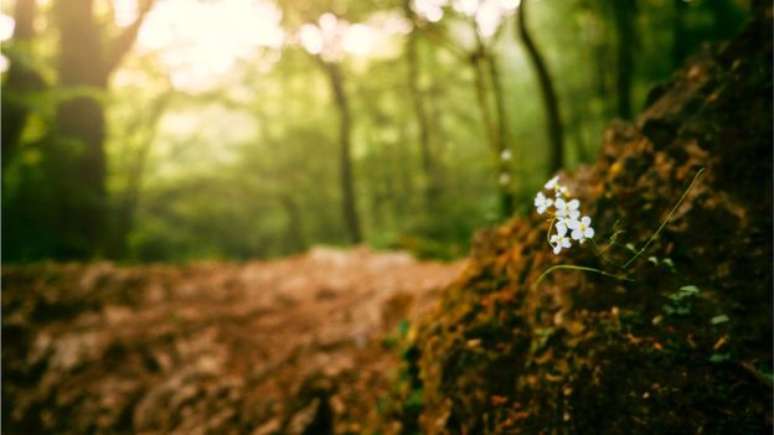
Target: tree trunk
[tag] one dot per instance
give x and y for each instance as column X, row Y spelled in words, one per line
column 77, row 156
column 127, row 208
column 20, row 79
column 432, row 187
column 478, row 60
column 625, row 13
column 503, row 134
column 80, row 167
column 679, row 43
column 550, row 102
column 348, row 200
column 295, row 240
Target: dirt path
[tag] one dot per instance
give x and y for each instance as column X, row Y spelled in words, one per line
column 291, row 345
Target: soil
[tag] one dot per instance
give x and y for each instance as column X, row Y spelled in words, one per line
column 290, row 346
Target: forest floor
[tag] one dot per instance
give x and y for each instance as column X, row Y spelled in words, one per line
column 208, row 348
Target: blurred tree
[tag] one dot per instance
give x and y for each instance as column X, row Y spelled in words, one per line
column 679, row 37
column 410, row 110
column 146, row 122
column 550, row 102
column 625, row 13
column 490, row 96
column 77, row 154
column 21, row 80
column 325, row 42
column 432, row 183
column 348, row 200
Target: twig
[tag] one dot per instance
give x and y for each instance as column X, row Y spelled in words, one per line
column 583, row 268
column 760, row 377
column 666, row 221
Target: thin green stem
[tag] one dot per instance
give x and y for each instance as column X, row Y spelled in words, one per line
column 548, row 233
column 666, row 221
column 582, row 268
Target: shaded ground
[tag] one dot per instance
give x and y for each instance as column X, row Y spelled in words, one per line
column 292, row 345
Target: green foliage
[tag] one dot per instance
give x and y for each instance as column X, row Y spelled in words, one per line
column 249, row 166
column 681, row 302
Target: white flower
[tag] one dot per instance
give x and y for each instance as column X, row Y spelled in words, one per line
column 559, row 190
column 505, row 179
column 567, row 209
column 560, row 242
column 542, row 203
column 552, row 183
column 561, row 227
column 506, row 155
column 581, row 229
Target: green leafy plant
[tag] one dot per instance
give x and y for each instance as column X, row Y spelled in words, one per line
column 681, row 302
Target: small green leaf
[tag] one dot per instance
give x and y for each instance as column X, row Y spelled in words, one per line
column 689, row 289
column 403, row 328
column 719, row 319
column 683, row 311
column 719, row 357
column 630, row 247
column 653, row 260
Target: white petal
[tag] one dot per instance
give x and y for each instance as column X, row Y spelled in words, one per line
column 574, row 214
column 573, row 204
column 566, row 243
column 559, row 203
column 586, row 220
column 551, row 183
column 557, row 249
column 589, row 233
column 576, row 235
column 572, row 223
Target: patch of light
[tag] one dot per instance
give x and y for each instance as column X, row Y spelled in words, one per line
column 488, row 14
column 488, row 18
column 311, row 38
column 4, row 63
column 390, row 23
column 430, row 10
column 466, row 7
column 200, row 42
column 332, row 38
column 359, row 39
column 125, row 12
column 7, row 25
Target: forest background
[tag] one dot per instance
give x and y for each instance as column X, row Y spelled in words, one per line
column 177, row 130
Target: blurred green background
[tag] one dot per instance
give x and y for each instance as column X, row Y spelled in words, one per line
column 176, row 130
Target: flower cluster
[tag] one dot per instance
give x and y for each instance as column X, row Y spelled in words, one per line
column 565, row 217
